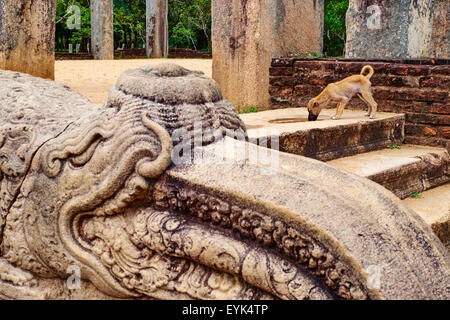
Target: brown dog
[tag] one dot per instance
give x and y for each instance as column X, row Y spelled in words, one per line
column 341, row 92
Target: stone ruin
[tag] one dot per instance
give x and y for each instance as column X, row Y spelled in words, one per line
column 96, row 190
column 27, row 34
column 101, row 195
column 398, row 29
column 418, row 88
column 157, row 40
column 246, row 36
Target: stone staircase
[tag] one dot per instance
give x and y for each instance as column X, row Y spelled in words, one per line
column 369, row 148
column 325, row 139
column 434, row 207
column 410, row 169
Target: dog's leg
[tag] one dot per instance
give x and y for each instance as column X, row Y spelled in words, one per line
column 368, row 105
column 373, row 105
column 340, row 109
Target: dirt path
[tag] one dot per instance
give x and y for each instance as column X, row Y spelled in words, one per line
column 94, row 78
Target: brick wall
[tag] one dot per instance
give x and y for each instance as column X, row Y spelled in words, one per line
column 417, row 87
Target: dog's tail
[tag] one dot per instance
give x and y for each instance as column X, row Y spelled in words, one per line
column 370, row 74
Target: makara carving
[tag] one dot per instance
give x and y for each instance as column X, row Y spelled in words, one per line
column 97, row 189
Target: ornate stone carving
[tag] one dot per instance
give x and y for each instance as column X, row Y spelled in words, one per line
column 95, row 188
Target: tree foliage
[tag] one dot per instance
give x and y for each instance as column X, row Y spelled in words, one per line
column 129, row 23
column 334, row 27
column 189, row 24
column 64, row 35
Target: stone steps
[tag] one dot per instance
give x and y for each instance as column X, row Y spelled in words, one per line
column 358, row 145
column 325, row 139
column 434, row 207
column 403, row 171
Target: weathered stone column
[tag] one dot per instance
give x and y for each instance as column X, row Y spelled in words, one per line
column 395, row 29
column 102, row 30
column 440, row 38
column 248, row 34
column 157, row 42
column 27, row 37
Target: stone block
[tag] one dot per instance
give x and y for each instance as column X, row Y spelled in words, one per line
column 327, row 139
column 438, row 119
column 282, row 62
column 282, row 81
column 308, row 65
column 402, row 171
column 434, row 82
column 280, row 71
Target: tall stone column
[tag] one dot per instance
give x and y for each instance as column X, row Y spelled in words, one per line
column 396, row 29
column 440, row 38
column 157, row 42
column 246, row 35
column 102, row 29
column 27, row 37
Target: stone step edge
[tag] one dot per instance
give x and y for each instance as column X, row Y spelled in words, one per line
column 430, row 172
column 441, row 224
column 354, row 150
column 343, row 151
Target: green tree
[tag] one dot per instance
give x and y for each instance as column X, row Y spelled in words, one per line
column 190, row 24
column 64, row 35
column 334, row 27
column 129, row 23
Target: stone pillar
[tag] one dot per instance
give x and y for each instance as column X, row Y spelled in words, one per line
column 102, row 29
column 394, row 29
column 27, row 37
column 248, row 34
column 440, row 38
column 157, row 42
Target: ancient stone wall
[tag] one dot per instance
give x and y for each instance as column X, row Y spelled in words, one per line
column 397, row 29
column 247, row 34
column 418, row 88
column 27, row 36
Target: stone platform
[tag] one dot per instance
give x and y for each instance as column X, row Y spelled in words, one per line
column 358, row 145
column 434, row 207
column 402, row 171
column 325, row 139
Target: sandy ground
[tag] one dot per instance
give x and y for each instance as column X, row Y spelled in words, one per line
column 94, row 78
